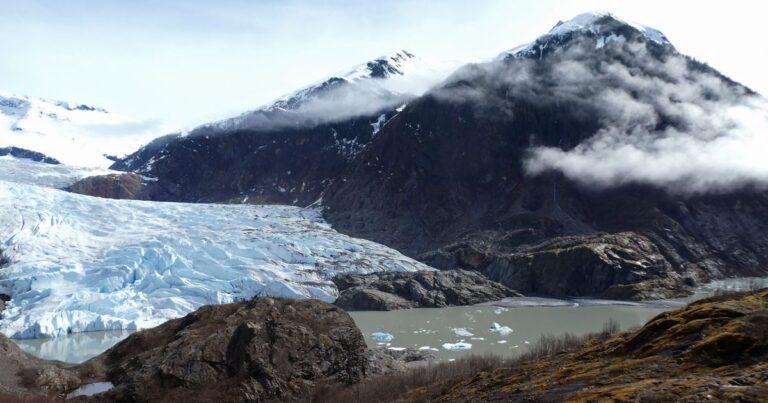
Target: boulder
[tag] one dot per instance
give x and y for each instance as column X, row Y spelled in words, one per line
column 425, row 289
column 266, row 349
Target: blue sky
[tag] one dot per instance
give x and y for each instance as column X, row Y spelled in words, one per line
column 188, row 62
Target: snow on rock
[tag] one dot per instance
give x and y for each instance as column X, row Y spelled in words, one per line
column 380, row 84
column 595, row 24
column 80, row 263
column 71, row 133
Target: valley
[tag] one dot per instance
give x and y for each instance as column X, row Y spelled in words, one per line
column 583, row 217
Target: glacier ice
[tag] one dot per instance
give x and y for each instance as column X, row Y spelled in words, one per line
column 80, row 263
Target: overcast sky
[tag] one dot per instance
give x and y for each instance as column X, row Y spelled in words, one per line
column 187, row 62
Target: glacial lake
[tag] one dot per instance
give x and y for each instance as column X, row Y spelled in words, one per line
column 521, row 321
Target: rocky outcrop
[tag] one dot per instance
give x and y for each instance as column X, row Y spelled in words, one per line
column 383, row 361
column 112, row 186
column 3, row 299
column 388, row 291
column 624, row 265
column 27, row 154
column 266, row 349
column 712, row 350
column 24, row 377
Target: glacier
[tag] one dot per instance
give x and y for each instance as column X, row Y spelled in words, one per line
column 78, row 263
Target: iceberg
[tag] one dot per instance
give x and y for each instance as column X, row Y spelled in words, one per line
column 382, row 337
column 503, row 331
column 460, row 346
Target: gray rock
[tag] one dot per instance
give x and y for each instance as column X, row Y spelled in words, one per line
column 382, row 361
column 427, row 289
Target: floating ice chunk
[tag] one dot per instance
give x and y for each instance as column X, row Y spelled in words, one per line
column 380, row 336
column 501, row 342
column 503, row 331
column 91, row 389
column 460, row 346
column 396, row 348
column 516, row 346
column 427, row 348
column 527, row 342
column 462, row 332
column 499, row 311
column 477, row 338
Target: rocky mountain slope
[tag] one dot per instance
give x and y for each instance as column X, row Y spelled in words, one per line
column 286, row 152
column 565, row 148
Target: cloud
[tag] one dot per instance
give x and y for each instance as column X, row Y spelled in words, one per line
column 662, row 120
column 342, row 100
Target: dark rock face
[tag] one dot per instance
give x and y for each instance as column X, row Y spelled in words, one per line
column 32, row 155
column 426, row 289
column 3, row 299
column 113, row 186
column 267, row 349
column 621, row 266
column 282, row 166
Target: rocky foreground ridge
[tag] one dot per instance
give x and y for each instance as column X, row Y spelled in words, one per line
column 267, row 349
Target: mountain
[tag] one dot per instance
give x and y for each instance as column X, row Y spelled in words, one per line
column 602, row 27
column 66, row 132
column 285, row 152
column 586, row 163
column 73, row 263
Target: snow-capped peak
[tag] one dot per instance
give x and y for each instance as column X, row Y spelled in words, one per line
column 365, row 89
column 69, row 132
column 394, row 64
column 604, row 27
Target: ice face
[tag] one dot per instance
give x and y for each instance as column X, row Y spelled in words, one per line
column 79, row 263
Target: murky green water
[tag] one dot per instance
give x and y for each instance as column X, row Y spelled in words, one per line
column 527, row 318
column 433, row 328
